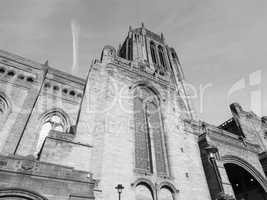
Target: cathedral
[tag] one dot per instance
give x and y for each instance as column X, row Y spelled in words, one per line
column 128, row 131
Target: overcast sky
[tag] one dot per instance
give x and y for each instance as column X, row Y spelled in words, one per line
column 219, row 42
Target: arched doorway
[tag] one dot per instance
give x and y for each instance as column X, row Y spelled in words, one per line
column 245, row 186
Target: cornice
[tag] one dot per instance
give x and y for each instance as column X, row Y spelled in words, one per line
column 10, row 58
column 60, row 75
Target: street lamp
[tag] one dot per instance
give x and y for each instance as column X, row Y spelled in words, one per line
column 119, row 188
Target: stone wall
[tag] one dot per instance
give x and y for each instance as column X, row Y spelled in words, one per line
column 32, row 90
column 21, row 80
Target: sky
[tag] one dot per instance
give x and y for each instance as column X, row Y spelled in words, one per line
column 221, row 44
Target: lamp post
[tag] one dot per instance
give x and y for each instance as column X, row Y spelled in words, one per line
column 119, row 188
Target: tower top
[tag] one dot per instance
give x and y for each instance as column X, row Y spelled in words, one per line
column 148, row 33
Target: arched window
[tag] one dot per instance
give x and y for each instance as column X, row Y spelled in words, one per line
column 143, row 160
column 142, row 192
column 4, row 110
column 51, row 121
column 148, row 127
column 3, row 105
column 162, row 57
column 153, row 52
column 165, row 194
column 130, row 49
column 153, row 117
column 173, row 54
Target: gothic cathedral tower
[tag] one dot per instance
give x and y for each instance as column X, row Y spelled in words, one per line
column 134, row 115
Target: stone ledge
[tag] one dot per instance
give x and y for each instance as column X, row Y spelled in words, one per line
column 55, row 135
column 29, row 166
column 80, row 197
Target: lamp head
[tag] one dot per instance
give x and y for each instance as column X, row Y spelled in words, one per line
column 119, row 187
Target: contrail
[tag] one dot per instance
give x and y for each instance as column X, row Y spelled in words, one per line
column 75, row 29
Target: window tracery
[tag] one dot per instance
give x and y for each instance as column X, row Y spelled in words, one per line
column 153, row 52
column 149, row 128
column 162, row 57
column 52, row 121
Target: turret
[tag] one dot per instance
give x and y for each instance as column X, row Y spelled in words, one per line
column 108, row 54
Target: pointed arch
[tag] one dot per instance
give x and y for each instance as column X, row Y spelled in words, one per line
column 57, row 111
column 230, row 159
column 148, row 85
column 55, row 119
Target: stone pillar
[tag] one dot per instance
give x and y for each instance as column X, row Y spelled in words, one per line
column 263, row 161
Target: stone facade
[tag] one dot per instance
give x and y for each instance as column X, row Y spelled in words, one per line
column 130, row 122
column 28, row 91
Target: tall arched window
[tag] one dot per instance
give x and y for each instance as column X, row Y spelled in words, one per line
column 142, row 192
column 165, row 194
column 143, row 160
column 51, row 121
column 173, row 55
column 162, row 57
column 153, row 52
column 154, row 123
column 148, row 127
column 130, row 49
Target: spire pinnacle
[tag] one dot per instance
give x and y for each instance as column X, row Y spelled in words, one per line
column 46, row 63
column 142, row 25
column 162, row 36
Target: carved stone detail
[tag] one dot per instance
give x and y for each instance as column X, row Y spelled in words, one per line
column 223, row 196
column 28, row 163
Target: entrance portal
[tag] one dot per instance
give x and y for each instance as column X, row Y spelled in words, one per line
column 245, row 186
